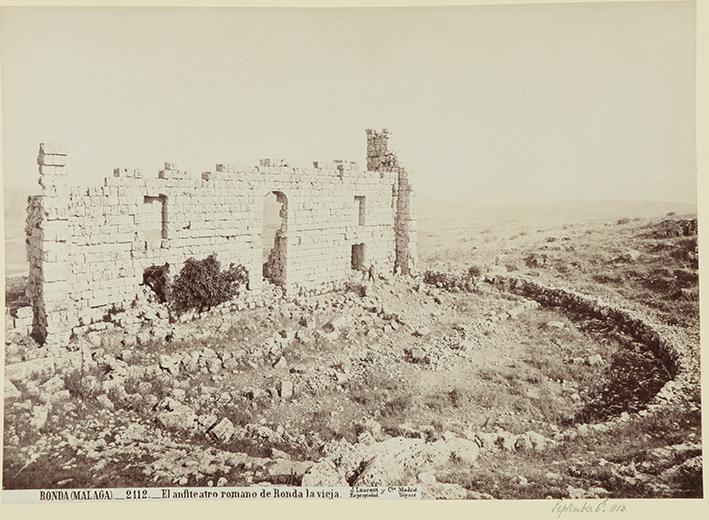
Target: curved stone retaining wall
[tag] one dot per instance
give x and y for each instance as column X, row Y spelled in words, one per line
column 674, row 353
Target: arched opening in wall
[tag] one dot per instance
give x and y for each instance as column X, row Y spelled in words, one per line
column 275, row 240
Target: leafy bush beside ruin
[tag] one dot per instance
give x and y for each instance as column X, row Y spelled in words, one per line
column 157, row 277
column 203, row 284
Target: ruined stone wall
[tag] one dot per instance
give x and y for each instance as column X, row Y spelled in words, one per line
column 89, row 247
column 48, row 243
column 381, row 159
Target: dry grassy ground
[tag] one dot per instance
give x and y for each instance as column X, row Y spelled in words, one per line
column 406, row 361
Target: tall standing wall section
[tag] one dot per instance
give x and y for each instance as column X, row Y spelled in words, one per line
column 381, row 159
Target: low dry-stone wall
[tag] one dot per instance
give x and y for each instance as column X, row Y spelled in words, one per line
column 88, row 247
column 679, row 361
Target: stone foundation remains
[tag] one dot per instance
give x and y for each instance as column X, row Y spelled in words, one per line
column 89, row 247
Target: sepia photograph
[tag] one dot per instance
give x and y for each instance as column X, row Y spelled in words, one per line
column 407, row 252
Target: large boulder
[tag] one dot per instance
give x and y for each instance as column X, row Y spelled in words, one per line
column 463, row 450
column 223, row 430
column 170, row 364
column 287, row 468
column 285, row 389
column 172, row 414
column 39, row 417
column 323, row 474
column 337, row 324
column 11, row 391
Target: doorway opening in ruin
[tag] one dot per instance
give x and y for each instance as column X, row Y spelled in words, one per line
column 275, row 240
column 357, row 257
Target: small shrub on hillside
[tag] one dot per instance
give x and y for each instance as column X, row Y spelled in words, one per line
column 358, row 288
column 687, row 251
column 83, row 383
column 202, row 284
column 459, row 396
column 536, row 260
column 397, row 406
column 240, row 415
column 475, row 271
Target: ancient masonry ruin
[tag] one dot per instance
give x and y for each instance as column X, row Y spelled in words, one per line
column 88, row 248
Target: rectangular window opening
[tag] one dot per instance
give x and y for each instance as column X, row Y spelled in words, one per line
column 153, row 217
column 360, row 209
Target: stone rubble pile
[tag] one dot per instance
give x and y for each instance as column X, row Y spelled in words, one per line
column 379, row 460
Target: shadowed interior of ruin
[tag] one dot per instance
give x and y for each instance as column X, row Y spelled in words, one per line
column 275, row 212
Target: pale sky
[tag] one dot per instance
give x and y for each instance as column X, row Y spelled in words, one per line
column 500, row 104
